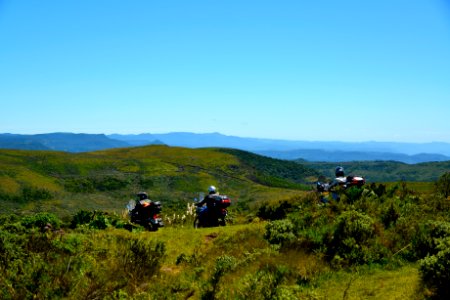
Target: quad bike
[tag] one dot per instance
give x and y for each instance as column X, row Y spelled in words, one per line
column 146, row 214
column 213, row 216
column 325, row 189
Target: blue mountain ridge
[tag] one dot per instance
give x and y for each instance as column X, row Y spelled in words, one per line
column 327, row 151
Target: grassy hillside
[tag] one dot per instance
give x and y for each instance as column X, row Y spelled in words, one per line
column 377, row 242
column 66, row 182
column 384, row 171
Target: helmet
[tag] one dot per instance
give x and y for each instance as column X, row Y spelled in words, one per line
column 212, row 189
column 339, row 172
column 142, row 195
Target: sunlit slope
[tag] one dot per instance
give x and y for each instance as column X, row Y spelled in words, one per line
column 65, row 182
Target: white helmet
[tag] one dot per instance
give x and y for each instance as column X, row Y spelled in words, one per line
column 212, row 189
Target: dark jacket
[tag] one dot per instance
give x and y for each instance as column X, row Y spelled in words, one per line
column 209, row 200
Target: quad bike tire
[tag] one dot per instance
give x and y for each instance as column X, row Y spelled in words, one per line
column 150, row 227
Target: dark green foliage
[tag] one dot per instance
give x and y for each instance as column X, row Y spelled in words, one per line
column 443, row 184
column 58, row 265
column 41, row 220
column 427, row 237
column 97, row 220
column 79, row 185
column 351, row 238
column 27, row 194
column 91, row 184
column 353, row 193
column 435, row 270
column 280, row 232
column 142, row 258
column 266, row 284
column 274, row 212
column 80, row 218
column 110, row 183
column 314, row 229
column 274, row 172
column 224, row 264
column 390, row 215
column 378, row 189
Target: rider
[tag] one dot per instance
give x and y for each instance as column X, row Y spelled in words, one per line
column 209, row 199
column 340, row 178
column 143, row 200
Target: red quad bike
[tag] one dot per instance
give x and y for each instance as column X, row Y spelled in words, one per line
column 325, row 189
column 146, row 214
column 213, row 217
column 355, row 181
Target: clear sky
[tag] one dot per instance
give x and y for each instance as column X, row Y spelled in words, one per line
column 347, row 70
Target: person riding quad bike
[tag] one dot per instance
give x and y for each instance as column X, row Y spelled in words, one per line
column 215, row 212
column 340, row 182
column 146, row 212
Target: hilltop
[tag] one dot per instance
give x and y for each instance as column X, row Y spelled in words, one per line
column 64, row 182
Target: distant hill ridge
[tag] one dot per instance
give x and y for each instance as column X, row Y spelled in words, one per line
column 283, row 149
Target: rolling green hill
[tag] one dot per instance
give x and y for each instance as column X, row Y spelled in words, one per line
column 62, row 182
column 380, row 242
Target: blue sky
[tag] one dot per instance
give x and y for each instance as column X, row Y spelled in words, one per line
column 320, row 70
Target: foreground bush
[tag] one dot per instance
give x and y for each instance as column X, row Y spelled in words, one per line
column 435, row 271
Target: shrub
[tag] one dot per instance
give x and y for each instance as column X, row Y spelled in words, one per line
column 390, row 215
column 142, row 257
column 443, row 184
column 353, row 241
column 427, row 237
column 354, row 193
column 274, row 212
column 99, row 221
column 33, row 194
column 435, row 270
column 224, row 264
column 279, row 232
column 266, row 283
column 41, row 220
column 79, row 185
column 354, row 224
column 80, row 218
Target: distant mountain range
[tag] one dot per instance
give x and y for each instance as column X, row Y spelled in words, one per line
column 283, row 149
column 68, row 142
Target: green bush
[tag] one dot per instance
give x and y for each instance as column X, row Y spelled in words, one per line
column 34, row 194
column 142, row 258
column 428, row 236
column 390, row 215
column 435, row 270
column 41, row 220
column 353, row 239
column 274, row 212
column 79, row 185
column 266, row 283
column 280, row 232
column 443, row 184
column 354, row 193
column 80, row 218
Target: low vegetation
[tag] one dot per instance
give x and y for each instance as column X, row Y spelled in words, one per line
column 382, row 241
column 385, row 171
